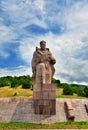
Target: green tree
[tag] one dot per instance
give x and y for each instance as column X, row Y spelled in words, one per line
column 86, row 91
column 80, row 91
column 67, row 90
column 26, row 84
column 14, row 82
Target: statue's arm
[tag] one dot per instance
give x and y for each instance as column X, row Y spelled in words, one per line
column 34, row 63
column 52, row 59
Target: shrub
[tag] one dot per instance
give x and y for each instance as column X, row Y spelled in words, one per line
column 80, row 91
column 26, row 84
column 86, row 91
column 67, row 90
column 14, row 82
column 15, row 94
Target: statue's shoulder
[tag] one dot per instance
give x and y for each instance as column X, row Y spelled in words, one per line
column 36, row 50
column 47, row 49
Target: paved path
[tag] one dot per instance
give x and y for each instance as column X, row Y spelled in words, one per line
column 21, row 110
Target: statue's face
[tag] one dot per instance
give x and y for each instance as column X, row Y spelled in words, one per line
column 43, row 45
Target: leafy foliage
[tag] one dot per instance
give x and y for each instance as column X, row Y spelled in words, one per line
column 86, row 91
column 26, row 83
column 15, row 81
column 67, row 90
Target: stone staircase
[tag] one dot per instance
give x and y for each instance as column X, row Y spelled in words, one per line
column 21, row 110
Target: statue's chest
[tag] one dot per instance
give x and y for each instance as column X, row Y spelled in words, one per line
column 44, row 55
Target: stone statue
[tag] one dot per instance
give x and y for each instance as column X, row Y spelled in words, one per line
column 42, row 66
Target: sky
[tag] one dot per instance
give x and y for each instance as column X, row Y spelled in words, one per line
column 63, row 24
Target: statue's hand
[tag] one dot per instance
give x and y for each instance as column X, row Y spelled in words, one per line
column 52, row 61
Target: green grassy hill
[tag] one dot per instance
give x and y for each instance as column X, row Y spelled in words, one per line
column 20, row 92
column 21, row 87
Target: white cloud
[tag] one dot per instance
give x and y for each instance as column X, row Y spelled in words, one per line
column 73, row 21
column 24, row 13
column 20, row 70
column 77, row 18
column 6, row 34
column 63, row 49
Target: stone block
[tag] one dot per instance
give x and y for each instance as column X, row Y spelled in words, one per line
column 37, row 95
column 69, row 110
column 52, row 107
column 68, row 105
column 46, row 110
column 41, row 107
column 46, row 102
column 45, row 95
column 40, row 102
column 35, row 103
column 53, row 87
column 70, row 114
column 36, row 110
column 52, row 95
column 48, row 87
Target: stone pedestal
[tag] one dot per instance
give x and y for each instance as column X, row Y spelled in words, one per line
column 45, row 100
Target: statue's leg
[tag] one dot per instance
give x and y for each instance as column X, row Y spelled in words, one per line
column 48, row 74
column 40, row 76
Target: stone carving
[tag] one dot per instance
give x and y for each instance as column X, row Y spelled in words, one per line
column 42, row 66
column 69, row 110
column 86, row 106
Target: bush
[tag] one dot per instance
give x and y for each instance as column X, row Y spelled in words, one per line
column 26, row 84
column 67, row 90
column 80, row 91
column 86, row 91
column 14, row 83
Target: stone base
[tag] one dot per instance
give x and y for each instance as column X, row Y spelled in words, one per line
column 45, row 100
column 45, row 107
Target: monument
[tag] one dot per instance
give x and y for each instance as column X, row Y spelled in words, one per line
column 43, row 70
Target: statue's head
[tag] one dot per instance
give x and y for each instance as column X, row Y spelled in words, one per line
column 43, row 44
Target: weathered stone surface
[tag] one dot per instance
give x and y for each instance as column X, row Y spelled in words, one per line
column 48, row 91
column 22, row 110
column 52, row 95
column 68, row 105
column 48, row 87
column 45, row 107
column 43, row 71
column 37, row 95
column 45, row 99
column 69, row 110
column 86, row 106
column 42, row 66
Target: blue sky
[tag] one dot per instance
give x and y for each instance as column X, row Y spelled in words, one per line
column 63, row 24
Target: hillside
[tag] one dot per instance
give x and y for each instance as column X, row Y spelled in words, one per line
column 22, row 87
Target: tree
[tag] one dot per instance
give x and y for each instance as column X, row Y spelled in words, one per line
column 67, row 90
column 14, row 82
column 86, row 91
column 80, row 91
column 26, row 84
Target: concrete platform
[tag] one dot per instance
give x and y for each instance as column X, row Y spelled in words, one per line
column 21, row 110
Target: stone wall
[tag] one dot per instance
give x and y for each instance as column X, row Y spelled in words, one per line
column 21, row 110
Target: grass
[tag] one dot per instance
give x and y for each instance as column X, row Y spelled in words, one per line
column 7, row 91
column 60, row 125
column 18, row 92
column 59, row 94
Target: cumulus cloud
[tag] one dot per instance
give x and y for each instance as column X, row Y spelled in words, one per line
column 18, row 71
column 66, row 36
